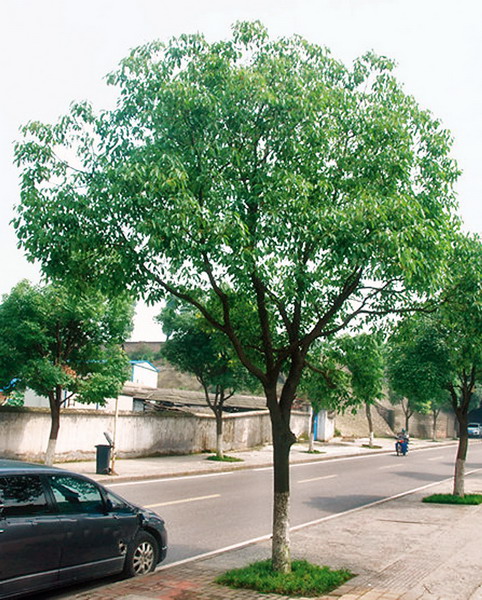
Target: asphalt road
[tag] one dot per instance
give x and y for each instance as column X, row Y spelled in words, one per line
column 207, row 513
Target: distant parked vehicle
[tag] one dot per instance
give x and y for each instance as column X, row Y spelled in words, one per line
column 57, row 527
column 474, row 430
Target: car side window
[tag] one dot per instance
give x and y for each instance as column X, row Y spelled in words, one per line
column 75, row 495
column 22, row 496
column 116, row 504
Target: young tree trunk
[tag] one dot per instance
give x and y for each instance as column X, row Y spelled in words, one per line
column 55, row 398
column 461, row 408
column 435, row 414
column 368, row 412
column 311, row 446
column 219, row 432
column 459, row 475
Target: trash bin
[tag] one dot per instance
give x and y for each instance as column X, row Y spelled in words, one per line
column 103, row 459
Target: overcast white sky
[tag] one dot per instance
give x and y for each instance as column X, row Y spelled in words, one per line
column 56, row 51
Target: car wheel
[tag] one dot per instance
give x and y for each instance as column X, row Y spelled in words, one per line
column 142, row 555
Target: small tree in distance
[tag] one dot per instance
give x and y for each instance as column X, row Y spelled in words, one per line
column 363, row 357
column 61, row 344
column 193, row 346
column 276, row 190
column 325, row 383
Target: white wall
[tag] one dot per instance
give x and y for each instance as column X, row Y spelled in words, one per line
column 24, row 433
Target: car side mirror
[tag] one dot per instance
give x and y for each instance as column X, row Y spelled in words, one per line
column 2, row 509
column 108, row 506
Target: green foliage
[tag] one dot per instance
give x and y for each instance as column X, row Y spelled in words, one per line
column 362, row 355
column 305, row 579
column 265, row 165
column 432, row 358
column 16, row 398
column 325, row 383
column 470, row 499
column 418, row 363
column 195, row 347
column 344, row 373
column 52, row 338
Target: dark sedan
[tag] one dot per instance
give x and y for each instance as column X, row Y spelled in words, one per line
column 57, row 527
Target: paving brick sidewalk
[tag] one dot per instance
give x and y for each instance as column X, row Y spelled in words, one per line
column 400, row 550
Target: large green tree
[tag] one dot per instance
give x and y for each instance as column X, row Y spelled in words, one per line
column 301, row 192
column 61, row 344
column 196, row 347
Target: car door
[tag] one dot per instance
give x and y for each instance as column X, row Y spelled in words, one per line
column 30, row 536
column 93, row 544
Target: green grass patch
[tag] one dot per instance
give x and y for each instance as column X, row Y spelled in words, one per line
column 313, row 452
column 470, row 499
column 225, row 458
column 305, row 579
column 371, row 447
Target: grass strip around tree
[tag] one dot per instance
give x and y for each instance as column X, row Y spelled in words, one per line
column 224, row 458
column 470, row 499
column 305, row 579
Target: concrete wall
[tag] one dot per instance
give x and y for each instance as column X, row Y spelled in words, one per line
column 24, row 433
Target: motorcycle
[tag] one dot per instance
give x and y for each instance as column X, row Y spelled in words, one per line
column 401, row 446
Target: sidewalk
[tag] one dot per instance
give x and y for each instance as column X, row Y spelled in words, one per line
column 400, row 550
column 132, row 469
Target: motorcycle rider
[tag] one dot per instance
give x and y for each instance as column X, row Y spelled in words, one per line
column 401, row 445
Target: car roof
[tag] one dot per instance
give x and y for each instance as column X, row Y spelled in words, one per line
column 18, row 466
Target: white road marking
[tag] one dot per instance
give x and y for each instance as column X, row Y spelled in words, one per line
column 391, row 466
column 179, row 478
column 435, row 458
column 182, row 501
column 297, row 527
column 317, row 478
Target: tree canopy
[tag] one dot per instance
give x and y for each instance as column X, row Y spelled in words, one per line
column 439, row 354
column 301, row 192
column 59, row 344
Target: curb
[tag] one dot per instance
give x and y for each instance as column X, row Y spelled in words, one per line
column 238, row 467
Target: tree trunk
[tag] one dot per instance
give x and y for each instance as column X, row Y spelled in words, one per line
column 434, row 425
column 311, row 446
column 281, row 558
column 459, row 475
column 55, row 398
column 368, row 412
column 219, row 433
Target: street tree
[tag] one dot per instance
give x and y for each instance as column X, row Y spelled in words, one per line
column 416, row 366
column 440, row 353
column 195, row 347
column 362, row 355
column 325, row 383
column 61, row 344
column 302, row 193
